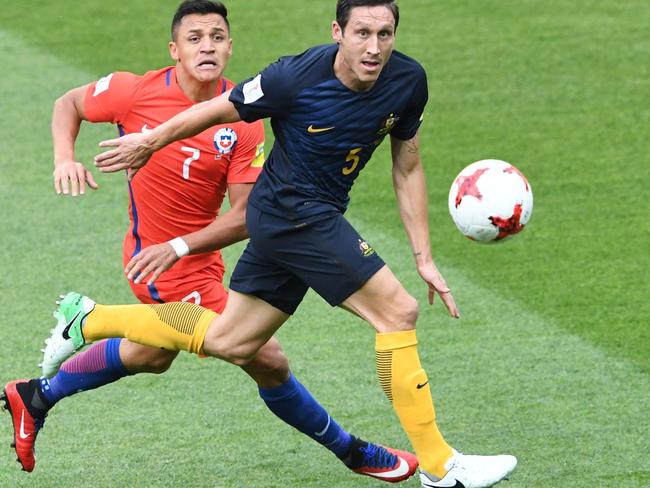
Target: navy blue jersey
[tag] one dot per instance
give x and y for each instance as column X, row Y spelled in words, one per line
column 325, row 133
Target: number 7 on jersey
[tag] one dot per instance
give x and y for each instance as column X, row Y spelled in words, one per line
column 195, row 154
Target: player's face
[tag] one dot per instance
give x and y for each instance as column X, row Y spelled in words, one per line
column 364, row 46
column 202, row 46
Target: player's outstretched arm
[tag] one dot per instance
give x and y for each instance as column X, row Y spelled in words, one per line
column 226, row 229
column 134, row 150
column 410, row 189
column 70, row 176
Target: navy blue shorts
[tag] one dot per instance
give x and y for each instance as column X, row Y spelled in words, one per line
column 283, row 259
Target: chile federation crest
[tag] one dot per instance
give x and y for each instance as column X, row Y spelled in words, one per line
column 225, row 140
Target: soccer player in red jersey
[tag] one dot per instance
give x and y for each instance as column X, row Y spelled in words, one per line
column 171, row 250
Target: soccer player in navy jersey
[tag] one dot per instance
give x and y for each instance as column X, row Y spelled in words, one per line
column 173, row 199
column 330, row 107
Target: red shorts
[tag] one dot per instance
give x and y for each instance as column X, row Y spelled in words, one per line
column 207, row 293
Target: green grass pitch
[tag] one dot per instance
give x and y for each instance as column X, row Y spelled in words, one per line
column 550, row 360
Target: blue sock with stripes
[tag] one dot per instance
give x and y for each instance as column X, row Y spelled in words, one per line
column 293, row 404
column 97, row 366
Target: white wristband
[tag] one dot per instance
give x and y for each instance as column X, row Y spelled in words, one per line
column 180, row 246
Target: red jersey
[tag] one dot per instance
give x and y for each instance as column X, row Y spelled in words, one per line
column 181, row 188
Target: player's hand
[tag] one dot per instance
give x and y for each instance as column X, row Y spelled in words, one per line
column 131, row 152
column 151, row 262
column 71, row 177
column 437, row 285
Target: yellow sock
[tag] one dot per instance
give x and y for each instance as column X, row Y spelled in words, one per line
column 406, row 385
column 172, row 326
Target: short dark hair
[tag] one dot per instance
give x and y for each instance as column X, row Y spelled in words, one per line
column 201, row 7
column 343, row 8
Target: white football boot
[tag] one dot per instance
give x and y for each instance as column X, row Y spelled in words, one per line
column 465, row 471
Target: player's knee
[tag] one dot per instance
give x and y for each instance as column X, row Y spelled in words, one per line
column 146, row 359
column 405, row 313
column 412, row 312
column 271, row 358
column 159, row 364
column 269, row 367
column 224, row 344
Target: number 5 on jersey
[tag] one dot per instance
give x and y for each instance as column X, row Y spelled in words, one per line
column 353, row 157
column 195, row 154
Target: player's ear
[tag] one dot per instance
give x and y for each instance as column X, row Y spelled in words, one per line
column 173, row 50
column 229, row 47
column 337, row 32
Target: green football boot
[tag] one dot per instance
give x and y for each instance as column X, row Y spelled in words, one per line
column 67, row 337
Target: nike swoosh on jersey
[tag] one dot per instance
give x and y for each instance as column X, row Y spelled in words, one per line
column 401, row 469
column 316, row 130
column 422, row 385
column 22, row 433
column 66, row 331
column 145, row 129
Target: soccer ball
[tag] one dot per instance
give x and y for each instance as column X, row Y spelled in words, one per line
column 490, row 200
